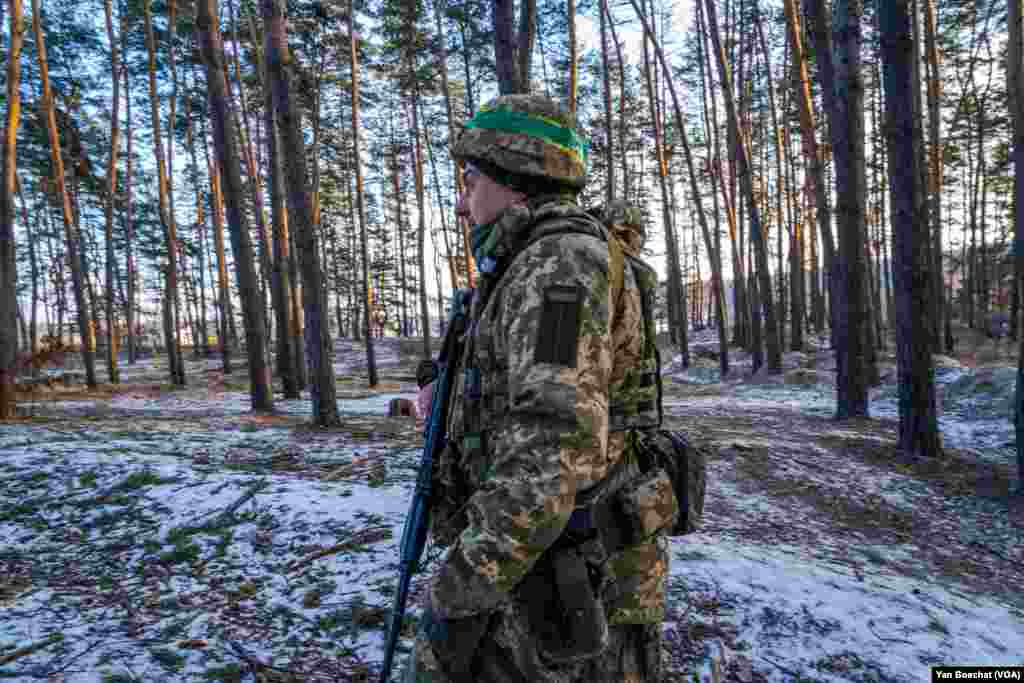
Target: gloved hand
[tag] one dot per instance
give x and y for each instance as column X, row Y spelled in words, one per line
column 454, row 641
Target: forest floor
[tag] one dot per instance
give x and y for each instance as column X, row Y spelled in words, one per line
column 150, row 534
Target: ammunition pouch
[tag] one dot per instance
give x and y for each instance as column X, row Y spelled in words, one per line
column 563, row 607
column 562, row 592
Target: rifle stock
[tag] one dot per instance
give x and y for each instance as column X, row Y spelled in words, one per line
column 417, row 522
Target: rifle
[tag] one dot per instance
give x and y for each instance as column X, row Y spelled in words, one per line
column 417, row 522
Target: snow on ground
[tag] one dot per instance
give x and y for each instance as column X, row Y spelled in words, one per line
column 177, row 537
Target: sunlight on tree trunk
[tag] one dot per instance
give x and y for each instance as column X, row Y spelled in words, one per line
column 8, row 268
column 70, row 233
column 371, row 361
column 300, row 215
column 115, row 132
column 225, row 142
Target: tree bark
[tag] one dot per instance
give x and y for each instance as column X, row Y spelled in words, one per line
column 280, row 283
column 570, row 13
column 609, row 154
column 818, row 27
column 8, row 266
column 223, row 286
column 115, row 132
column 918, row 428
column 797, row 336
column 460, row 221
column 300, row 212
column 850, row 302
column 200, row 228
column 422, row 210
column 524, row 47
column 1015, row 88
column 936, row 169
column 129, row 247
column 225, row 137
column 812, row 153
column 504, row 46
column 371, row 363
column 70, row 232
column 174, row 363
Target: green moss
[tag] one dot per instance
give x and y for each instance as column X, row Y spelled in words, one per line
column 184, row 553
column 229, row 673
column 138, row 480
column 168, row 659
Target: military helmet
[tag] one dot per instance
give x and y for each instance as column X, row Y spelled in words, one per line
column 526, row 135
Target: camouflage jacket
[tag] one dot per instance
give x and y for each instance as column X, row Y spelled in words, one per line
column 545, row 348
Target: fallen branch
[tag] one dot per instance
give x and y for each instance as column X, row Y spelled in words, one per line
column 794, row 674
column 366, row 536
column 31, row 649
column 230, row 511
column 871, row 627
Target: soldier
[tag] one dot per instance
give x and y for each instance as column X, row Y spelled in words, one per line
column 542, row 582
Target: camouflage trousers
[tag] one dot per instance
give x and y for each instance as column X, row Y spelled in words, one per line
column 509, row 654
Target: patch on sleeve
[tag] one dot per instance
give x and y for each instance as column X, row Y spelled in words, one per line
column 559, row 333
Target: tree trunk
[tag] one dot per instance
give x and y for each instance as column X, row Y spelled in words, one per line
column 223, row 286
column 797, row 336
column 609, row 154
column 300, row 211
column 713, row 244
column 504, row 46
column 115, row 132
column 8, row 267
column 570, row 14
column 280, row 283
column 129, row 313
column 249, row 157
column 421, row 208
column 1015, row 88
column 757, row 233
column 677, row 109
column 741, row 329
column 172, row 216
column 623, row 155
column 70, row 232
column 674, row 276
column 524, row 46
column 818, row 28
column 850, row 302
column 174, row 363
column 200, row 228
column 936, row 168
column 33, row 259
column 918, row 428
column 225, row 137
column 442, row 65
column 371, row 363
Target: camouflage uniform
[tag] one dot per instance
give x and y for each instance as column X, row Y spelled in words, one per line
column 530, row 431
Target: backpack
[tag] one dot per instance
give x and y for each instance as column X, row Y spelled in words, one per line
column 637, row 409
column 673, row 451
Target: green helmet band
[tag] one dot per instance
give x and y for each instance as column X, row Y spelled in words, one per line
column 507, row 121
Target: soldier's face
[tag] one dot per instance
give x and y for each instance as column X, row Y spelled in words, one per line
column 484, row 199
